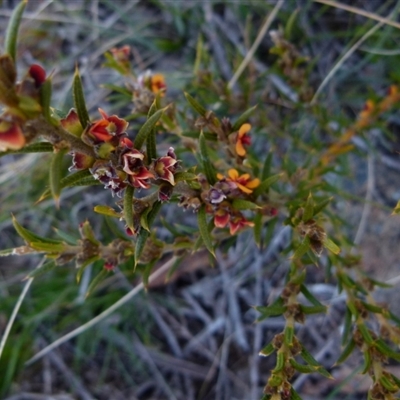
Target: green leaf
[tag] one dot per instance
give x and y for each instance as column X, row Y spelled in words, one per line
column 275, row 309
column 128, row 207
column 240, row 204
column 184, row 176
column 302, row 249
column 29, row 236
column 147, row 271
column 310, row 297
column 267, row 350
column 46, row 267
column 144, row 234
column 304, row 369
column 243, row 118
column 195, row 105
column 208, row 167
column 10, row 42
column 331, row 246
column 365, row 333
column 41, row 147
column 396, row 209
column 348, row 316
column 308, row 212
column 45, row 99
column 55, row 175
column 265, row 185
column 321, row 205
column 203, row 228
column 97, row 279
column 147, row 128
column 294, row 395
column 151, row 144
column 6, row 252
column 388, row 383
column 106, row 210
column 266, row 167
column 48, row 247
column 257, row 229
column 313, row 309
column 367, row 361
column 84, row 265
column 79, row 100
column 308, row 358
column 346, row 351
column 385, row 349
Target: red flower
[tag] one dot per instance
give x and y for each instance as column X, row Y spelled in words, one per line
column 105, row 129
column 139, row 178
column 81, row 161
column 238, row 222
column 221, row 217
column 164, row 168
column 132, row 161
column 243, row 139
column 11, row 136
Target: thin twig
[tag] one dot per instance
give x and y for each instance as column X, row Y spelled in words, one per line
column 15, row 311
column 359, row 11
column 256, row 43
column 339, row 64
column 103, row 315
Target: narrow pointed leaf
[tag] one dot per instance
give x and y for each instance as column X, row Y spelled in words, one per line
column 346, row 352
column 46, row 267
column 302, row 249
column 257, row 229
column 304, row 369
column 106, row 210
column 331, row 246
column 243, row 118
column 30, row 236
column 310, row 297
column 265, row 185
column 84, row 265
column 79, row 100
column 208, row 167
column 97, row 279
column 184, row 176
column 347, row 325
column 203, row 229
column 267, row 350
column 308, row 209
column 42, row 147
column 266, row 167
column 10, row 42
column 240, row 204
column 144, row 234
column 146, row 129
column 45, row 99
column 55, row 175
column 195, row 105
column 321, row 205
column 128, row 207
column 48, row 247
column 6, row 252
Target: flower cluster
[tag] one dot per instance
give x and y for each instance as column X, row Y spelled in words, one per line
column 220, row 196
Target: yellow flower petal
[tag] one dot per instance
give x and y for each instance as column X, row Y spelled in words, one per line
column 253, row 184
column 240, row 150
column 244, row 189
column 233, row 174
column 244, row 129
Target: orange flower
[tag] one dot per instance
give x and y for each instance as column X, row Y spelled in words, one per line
column 243, row 182
column 157, row 83
column 238, row 222
column 242, row 139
